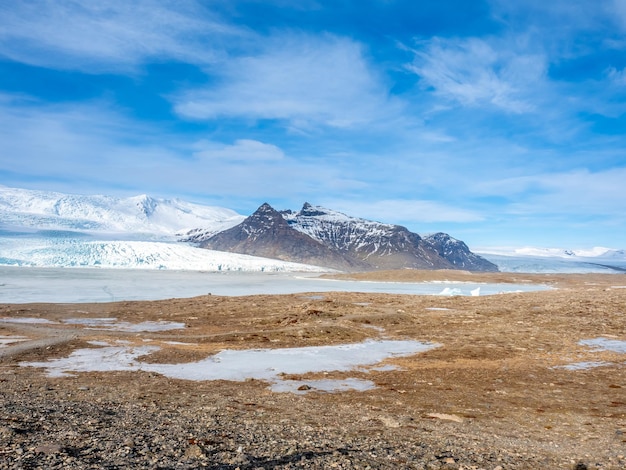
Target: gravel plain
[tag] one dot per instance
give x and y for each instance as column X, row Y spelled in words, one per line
column 511, row 386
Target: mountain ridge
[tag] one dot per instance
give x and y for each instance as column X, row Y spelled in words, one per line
column 316, row 234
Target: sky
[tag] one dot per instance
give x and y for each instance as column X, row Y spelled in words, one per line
column 500, row 122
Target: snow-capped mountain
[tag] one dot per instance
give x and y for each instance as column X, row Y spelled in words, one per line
column 321, row 236
column 458, row 253
column 140, row 216
column 384, row 246
column 266, row 233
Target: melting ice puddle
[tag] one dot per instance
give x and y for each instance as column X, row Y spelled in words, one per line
column 103, row 323
column 584, row 365
column 6, row 340
column 598, row 344
column 605, row 344
column 261, row 364
column 113, row 324
column 24, row 320
column 314, row 297
column 324, row 385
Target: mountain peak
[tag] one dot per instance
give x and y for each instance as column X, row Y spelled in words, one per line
column 309, row 210
column 267, row 233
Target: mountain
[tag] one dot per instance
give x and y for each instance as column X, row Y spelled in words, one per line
column 457, row 253
column 266, row 233
column 320, row 236
column 138, row 217
column 40, row 228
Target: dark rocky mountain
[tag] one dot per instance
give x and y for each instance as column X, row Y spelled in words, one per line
column 323, row 237
column 457, row 253
column 384, row 246
column 266, row 233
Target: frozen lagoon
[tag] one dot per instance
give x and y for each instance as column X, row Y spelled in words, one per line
column 75, row 285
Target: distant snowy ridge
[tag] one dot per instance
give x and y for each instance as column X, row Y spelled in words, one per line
column 557, row 260
column 596, row 252
column 141, row 215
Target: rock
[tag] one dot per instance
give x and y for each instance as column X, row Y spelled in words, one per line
column 48, row 449
column 447, row 417
column 194, row 452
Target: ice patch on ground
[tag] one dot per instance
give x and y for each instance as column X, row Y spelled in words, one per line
column 6, row 340
column 597, row 344
column 323, row 385
column 605, row 344
column 584, row 365
column 103, row 359
column 262, row 364
column 25, row 320
column 113, row 324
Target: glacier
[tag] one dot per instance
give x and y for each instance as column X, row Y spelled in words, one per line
column 76, row 251
column 558, row 261
column 50, row 229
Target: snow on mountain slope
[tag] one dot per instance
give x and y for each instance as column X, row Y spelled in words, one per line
column 384, row 246
column 341, row 231
column 21, row 208
column 77, row 252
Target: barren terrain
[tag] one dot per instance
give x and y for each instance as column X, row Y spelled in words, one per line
column 496, row 393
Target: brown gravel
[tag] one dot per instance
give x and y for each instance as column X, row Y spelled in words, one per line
column 493, row 396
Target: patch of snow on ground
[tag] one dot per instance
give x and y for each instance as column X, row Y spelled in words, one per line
column 597, row 344
column 25, row 320
column 584, row 365
column 262, row 364
column 605, row 344
column 6, row 340
column 113, row 324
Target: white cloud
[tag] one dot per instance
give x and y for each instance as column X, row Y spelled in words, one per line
column 242, row 150
column 404, row 211
column 477, row 73
column 618, row 7
column 304, row 80
column 577, row 192
column 103, row 36
column 615, row 76
column 93, row 148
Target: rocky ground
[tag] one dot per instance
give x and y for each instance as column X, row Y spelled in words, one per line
column 494, row 395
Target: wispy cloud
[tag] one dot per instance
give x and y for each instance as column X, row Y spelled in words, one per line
column 301, row 79
column 74, row 147
column 243, row 150
column 474, row 72
column 572, row 192
column 405, row 211
column 116, row 35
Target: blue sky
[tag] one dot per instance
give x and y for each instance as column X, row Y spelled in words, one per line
column 501, row 122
